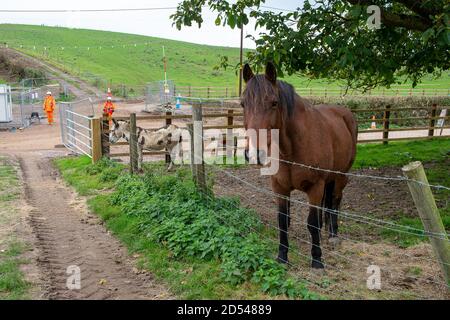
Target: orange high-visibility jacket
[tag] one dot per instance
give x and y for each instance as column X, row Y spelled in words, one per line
column 108, row 107
column 49, row 104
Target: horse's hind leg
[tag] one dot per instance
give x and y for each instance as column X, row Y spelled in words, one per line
column 327, row 201
column 336, row 199
column 315, row 195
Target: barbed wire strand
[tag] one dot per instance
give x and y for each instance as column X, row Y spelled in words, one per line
column 356, row 280
column 298, row 221
column 369, row 220
column 357, row 175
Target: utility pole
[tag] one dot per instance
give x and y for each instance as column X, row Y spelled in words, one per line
column 241, row 60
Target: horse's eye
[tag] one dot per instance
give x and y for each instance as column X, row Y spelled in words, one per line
column 274, row 104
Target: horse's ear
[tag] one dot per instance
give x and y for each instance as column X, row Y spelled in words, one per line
column 247, row 73
column 271, row 72
column 115, row 122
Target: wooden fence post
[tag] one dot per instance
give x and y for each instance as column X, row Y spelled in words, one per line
column 190, row 128
column 133, row 144
column 168, row 122
column 432, row 122
column 429, row 214
column 189, row 91
column 96, row 131
column 208, row 92
column 229, row 136
column 387, row 114
column 105, row 136
column 198, row 164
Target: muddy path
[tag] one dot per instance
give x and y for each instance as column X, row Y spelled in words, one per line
column 68, row 235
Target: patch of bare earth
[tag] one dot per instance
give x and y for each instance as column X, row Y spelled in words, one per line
column 411, row 273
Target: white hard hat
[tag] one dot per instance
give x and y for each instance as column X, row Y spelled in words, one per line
column 109, row 98
column 48, row 92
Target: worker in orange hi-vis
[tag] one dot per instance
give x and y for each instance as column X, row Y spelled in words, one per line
column 108, row 108
column 49, row 107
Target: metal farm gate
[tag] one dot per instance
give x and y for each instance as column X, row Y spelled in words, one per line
column 76, row 127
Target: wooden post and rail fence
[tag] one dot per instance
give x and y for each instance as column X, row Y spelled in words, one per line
column 233, row 120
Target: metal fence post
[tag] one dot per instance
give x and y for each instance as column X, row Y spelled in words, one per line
column 387, row 114
column 133, row 144
column 429, row 214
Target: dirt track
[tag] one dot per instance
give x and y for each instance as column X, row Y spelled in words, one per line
column 68, row 235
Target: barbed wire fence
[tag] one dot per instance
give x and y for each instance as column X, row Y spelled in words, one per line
column 433, row 277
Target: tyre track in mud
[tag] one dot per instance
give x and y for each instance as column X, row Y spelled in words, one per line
column 67, row 235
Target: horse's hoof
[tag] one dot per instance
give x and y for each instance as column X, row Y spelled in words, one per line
column 334, row 242
column 317, row 264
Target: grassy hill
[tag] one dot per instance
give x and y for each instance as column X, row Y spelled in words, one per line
column 102, row 53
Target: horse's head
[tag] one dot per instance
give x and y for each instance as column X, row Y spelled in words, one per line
column 120, row 129
column 264, row 103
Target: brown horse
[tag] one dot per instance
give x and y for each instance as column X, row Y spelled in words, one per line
column 322, row 136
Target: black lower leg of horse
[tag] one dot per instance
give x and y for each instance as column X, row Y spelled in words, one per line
column 289, row 212
column 283, row 223
column 334, row 223
column 314, row 227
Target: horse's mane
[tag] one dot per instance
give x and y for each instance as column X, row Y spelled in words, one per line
column 259, row 87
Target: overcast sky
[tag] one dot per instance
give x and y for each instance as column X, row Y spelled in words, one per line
column 151, row 23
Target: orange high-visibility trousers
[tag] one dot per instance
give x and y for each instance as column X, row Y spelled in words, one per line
column 50, row 117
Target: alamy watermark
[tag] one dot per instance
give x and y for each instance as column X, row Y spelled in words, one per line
column 73, row 282
column 374, row 20
column 374, row 279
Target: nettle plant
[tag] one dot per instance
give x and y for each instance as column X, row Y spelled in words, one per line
column 190, row 224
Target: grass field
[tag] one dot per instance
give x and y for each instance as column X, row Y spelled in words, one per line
column 188, row 64
column 13, row 285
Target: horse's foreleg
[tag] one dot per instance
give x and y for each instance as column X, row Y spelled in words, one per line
column 283, row 223
column 315, row 195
